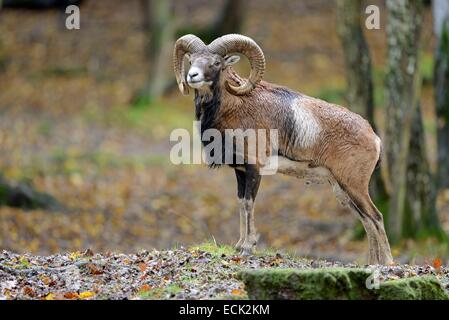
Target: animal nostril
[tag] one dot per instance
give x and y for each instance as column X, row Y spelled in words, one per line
column 193, row 75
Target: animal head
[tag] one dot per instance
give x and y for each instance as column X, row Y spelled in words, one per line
column 207, row 62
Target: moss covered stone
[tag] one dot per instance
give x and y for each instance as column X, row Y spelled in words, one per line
column 335, row 284
column 416, row 288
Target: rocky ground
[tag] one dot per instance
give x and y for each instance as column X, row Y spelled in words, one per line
column 202, row 272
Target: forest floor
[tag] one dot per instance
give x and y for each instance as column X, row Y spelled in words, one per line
column 206, row 271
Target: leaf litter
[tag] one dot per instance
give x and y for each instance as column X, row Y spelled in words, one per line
column 182, row 273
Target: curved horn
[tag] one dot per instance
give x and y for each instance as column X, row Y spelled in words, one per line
column 236, row 43
column 186, row 44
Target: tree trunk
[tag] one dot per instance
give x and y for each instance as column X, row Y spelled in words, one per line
column 420, row 219
column 357, row 58
column 228, row 20
column 402, row 91
column 360, row 92
column 231, row 18
column 160, row 32
column 441, row 85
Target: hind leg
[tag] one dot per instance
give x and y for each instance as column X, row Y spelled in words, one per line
column 372, row 220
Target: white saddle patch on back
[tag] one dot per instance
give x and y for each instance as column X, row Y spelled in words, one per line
column 307, row 126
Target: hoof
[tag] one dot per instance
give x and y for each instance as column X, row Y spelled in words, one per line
column 238, row 246
column 247, row 249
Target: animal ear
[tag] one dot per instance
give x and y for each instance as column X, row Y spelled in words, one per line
column 231, row 60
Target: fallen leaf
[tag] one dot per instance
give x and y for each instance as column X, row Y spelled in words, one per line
column 74, row 255
column 71, row 295
column 437, row 263
column 50, row 296
column 237, row 292
column 93, row 269
column 236, row 259
column 142, row 267
column 29, row 291
column 145, row 288
column 86, row 294
column 46, row 280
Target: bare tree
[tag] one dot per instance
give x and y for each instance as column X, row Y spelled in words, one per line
column 229, row 19
column 441, row 84
column 160, row 32
column 420, row 216
column 360, row 92
column 412, row 206
column 402, row 84
column 357, row 58
column 161, row 29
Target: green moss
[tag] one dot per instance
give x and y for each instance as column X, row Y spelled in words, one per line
column 416, row 288
column 317, row 284
column 159, row 293
column 335, row 284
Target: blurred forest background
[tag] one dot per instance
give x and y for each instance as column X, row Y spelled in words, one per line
column 85, row 117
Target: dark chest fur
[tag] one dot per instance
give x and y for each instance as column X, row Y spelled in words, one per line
column 207, row 110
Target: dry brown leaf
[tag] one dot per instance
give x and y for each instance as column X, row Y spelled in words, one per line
column 437, row 263
column 93, row 269
column 145, row 287
column 71, row 295
column 29, row 291
column 142, row 266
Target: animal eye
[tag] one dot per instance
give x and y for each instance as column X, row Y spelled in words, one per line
column 217, row 63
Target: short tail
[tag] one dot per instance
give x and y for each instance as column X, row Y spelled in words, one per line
column 381, row 153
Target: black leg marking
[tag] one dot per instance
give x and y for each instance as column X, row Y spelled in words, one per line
column 252, row 182
column 241, row 183
column 358, row 208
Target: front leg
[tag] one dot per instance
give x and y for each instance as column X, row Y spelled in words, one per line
column 241, row 178
column 252, row 183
